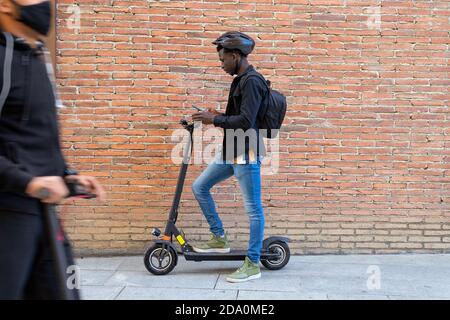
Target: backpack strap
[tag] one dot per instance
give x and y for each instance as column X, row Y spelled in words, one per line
column 7, row 69
column 254, row 74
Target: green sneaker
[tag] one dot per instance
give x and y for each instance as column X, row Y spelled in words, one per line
column 248, row 271
column 216, row 244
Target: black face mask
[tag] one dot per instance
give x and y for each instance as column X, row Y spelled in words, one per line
column 36, row 16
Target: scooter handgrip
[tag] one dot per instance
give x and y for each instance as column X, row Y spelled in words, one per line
column 77, row 191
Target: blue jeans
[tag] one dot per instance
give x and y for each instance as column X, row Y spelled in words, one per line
column 249, row 178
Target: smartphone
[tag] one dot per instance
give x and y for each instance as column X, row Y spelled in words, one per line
column 198, row 109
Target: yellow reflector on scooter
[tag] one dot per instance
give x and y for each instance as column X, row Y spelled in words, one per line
column 181, row 240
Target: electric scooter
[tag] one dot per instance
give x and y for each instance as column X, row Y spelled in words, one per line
column 161, row 257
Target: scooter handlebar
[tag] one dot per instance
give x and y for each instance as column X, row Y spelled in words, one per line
column 75, row 191
column 188, row 126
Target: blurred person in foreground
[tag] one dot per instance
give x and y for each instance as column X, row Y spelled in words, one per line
column 30, row 153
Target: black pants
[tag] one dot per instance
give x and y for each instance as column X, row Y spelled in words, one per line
column 26, row 262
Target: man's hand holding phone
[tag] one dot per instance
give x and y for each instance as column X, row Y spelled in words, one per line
column 205, row 116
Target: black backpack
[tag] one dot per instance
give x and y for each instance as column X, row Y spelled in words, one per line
column 272, row 113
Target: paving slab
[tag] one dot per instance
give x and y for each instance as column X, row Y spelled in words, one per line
column 319, row 277
column 133, row 293
column 105, row 264
column 278, row 295
column 141, row 279
column 95, row 277
column 100, row 292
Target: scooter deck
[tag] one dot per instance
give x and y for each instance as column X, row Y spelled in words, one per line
column 232, row 255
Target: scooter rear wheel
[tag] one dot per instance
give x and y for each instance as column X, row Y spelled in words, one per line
column 280, row 248
column 160, row 259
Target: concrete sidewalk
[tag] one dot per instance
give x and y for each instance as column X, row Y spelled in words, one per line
column 356, row 277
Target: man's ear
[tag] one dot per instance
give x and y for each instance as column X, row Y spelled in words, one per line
column 6, row 6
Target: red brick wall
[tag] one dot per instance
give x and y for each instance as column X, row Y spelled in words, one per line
column 364, row 155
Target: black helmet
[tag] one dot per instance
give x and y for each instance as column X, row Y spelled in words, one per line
column 235, row 40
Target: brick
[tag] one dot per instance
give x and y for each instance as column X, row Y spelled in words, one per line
column 424, row 239
column 337, row 231
column 375, row 245
column 433, row 246
column 407, row 245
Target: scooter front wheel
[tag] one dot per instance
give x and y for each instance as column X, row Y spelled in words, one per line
column 160, row 259
column 282, row 249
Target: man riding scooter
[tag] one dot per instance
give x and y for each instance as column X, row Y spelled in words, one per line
column 243, row 162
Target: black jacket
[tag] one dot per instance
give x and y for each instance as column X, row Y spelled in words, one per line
column 29, row 137
column 244, row 102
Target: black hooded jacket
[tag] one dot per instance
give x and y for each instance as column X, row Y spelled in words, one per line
column 240, row 120
column 29, row 137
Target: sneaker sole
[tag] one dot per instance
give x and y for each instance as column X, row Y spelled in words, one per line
column 214, row 250
column 256, row 276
